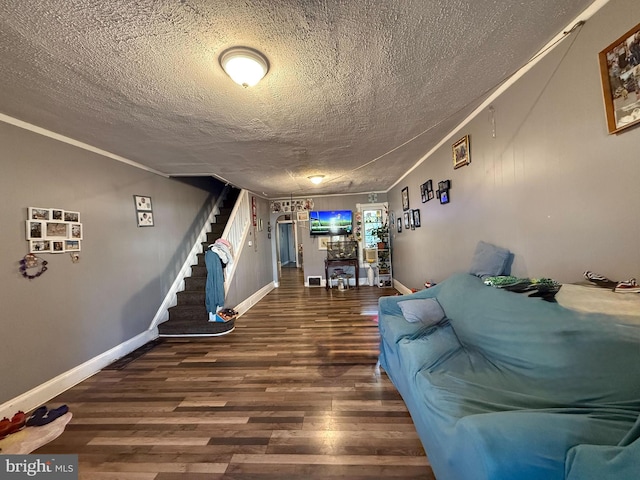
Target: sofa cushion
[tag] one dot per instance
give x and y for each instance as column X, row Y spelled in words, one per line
column 395, row 327
column 489, row 260
column 427, row 351
column 425, row 310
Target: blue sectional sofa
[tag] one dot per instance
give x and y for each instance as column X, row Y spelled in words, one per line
column 511, row 387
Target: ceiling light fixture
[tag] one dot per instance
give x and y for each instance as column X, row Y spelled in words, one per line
column 244, row 65
column 316, row 179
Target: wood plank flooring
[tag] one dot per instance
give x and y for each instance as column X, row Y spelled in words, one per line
column 292, row 393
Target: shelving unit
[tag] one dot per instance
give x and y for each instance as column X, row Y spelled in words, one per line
column 385, row 278
column 374, row 219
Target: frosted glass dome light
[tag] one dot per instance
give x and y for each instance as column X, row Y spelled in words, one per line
column 316, row 179
column 244, row 65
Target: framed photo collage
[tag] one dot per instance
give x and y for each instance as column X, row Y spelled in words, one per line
column 53, row 230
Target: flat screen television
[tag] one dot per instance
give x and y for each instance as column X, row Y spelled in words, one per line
column 331, row 222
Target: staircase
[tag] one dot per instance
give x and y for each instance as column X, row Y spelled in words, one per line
column 190, row 317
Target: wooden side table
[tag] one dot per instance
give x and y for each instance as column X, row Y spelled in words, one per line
column 342, row 262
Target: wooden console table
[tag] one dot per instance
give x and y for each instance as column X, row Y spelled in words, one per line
column 342, row 262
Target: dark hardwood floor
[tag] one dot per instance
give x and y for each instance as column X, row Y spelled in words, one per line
column 292, row 393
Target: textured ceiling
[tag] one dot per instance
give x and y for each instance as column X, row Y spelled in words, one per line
column 351, row 82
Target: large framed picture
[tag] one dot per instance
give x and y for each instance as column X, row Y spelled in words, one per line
column 461, row 153
column 56, row 230
column 620, row 73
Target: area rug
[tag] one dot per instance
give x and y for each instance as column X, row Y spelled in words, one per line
column 31, row 438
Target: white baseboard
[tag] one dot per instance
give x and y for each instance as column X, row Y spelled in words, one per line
column 401, row 288
column 246, row 304
column 54, row 387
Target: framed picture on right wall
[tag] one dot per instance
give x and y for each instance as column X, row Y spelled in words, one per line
column 620, row 74
column 461, row 153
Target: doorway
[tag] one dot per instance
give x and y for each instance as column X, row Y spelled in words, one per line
column 286, row 243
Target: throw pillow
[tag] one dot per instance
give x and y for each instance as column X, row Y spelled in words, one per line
column 425, row 310
column 489, row 260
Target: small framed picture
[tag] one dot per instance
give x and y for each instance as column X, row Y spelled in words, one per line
column 57, row 215
column 407, row 222
column 416, row 218
column 399, row 225
column 36, row 246
column 71, row 216
column 37, row 213
column 71, row 245
column 322, row 242
column 75, row 231
column 302, row 216
column 444, row 196
column 405, row 198
column 145, row 219
column 56, row 230
column 35, row 230
column 57, row 246
column 426, row 191
column 412, row 223
column 461, row 154
column 142, row 203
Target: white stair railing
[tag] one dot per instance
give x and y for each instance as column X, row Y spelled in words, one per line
column 236, row 233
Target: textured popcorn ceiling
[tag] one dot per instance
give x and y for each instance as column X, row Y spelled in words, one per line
column 351, row 81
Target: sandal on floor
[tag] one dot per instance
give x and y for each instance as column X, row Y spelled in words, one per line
column 7, row 427
column 50, row 416
column 36, row 416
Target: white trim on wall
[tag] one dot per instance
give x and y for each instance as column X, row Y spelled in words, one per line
column 54, row 387
column 76, row 143
column 246, row 304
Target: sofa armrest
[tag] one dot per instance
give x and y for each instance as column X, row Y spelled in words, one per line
column 389, row 305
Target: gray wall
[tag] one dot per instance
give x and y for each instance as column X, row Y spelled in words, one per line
column 313, row 256
column 74, row 312
column 553, row 186
column 254, row 270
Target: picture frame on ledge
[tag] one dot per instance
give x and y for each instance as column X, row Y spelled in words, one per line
column 619, row 73
column 461, row 153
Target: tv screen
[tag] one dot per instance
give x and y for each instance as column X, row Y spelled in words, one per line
column 331, row 222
